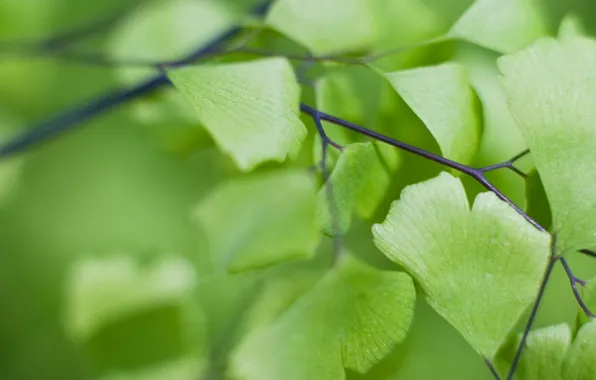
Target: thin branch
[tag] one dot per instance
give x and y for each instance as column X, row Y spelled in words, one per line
column 549, row 269
column 65, row 39
column 325, row 142
column 574, row 281
column 71, row 119
column 477, row 174
column 509, row 164
column 588, row 252
column 492, row 369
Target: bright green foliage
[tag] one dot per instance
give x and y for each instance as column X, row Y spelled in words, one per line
column 589, row 298
column 278, row 296
column 250, row 108
column 108, row 299
column 167, row 30
column 550, row 354
column 479, row 268
column 501, row 138
column 442, row 98
column 325, row 27
column 95, row 290
column 351, row 318
column 571, row 26
column 170, row 123
column 579, row 363
column 544, row 353
column 501, row 25
column 243, row 220
column 550, row 90
column 358, row 181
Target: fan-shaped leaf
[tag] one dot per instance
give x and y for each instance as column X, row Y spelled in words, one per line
column 351, row 318
column 501, row 25
column 326, row 27
column 262, row 220
column 442, row 98
column 550, row 87
column 479, row 268
column 250, row 108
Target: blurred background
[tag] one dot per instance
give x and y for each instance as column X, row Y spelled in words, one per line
column 103, row 273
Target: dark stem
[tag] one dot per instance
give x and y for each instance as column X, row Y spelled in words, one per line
column 325, row 142
column 492, row 369
column 549, row 269
column 574, row 281
column 70, row 119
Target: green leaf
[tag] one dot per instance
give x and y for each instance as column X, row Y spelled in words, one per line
column 169, row 122
column 550, row 92
column 579, row 363
column 500, row 139
column 95, row 297
column 442, row 98
column 309, row 23
column 358, row 182
column 161, row 31
column 351, row 318
column 460, row 257
column 589, row 298
column 250, row 108
column 260, row 220
column 135, row 319
column 544, row 352
column 501, row 25
column 571, row 26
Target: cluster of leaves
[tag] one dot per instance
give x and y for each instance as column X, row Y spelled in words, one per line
column 464, row 94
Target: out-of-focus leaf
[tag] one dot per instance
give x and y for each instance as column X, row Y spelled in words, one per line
column 544, row 353
column 501, row 25
column 250, row 108
column 460, row 256
column 358, row 181
column 167, row 30
column 116, row 303
column 571, row 26
column 442, row 98
column 326, row 27
column 579, row 363
column 260, row 220
column 351, row 318
column 550, row 89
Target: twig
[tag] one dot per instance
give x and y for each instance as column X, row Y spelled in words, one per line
column 72, row 118
column 325, row 142
column 549, row 269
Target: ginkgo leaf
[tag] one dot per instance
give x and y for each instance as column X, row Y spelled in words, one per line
column 351, row 318
column 118, row 308
column 358, row 182
column 250, row 108
column 442, row 98
column 500, row 139
column 579, row 363
column 550, row 89
column 260, row 220
column 95, row 297
column 479, row 268
column 501, row 25
column 163, row 31
column 544, row 353
column 308, row 22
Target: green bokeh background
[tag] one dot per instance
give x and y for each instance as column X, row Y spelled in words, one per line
column 108, row 188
